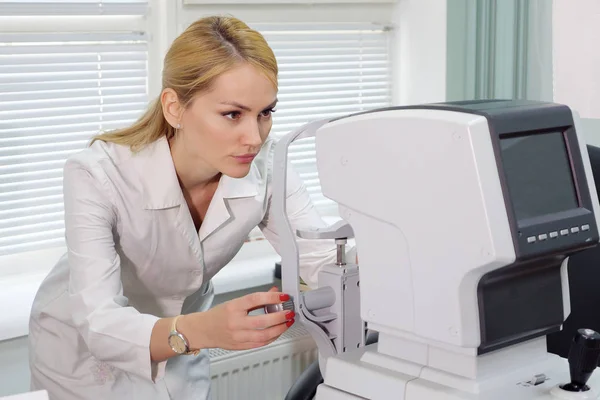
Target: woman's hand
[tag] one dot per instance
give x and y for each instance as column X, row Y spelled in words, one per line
column 228, row 325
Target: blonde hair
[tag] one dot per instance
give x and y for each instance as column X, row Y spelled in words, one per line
column 208, row 48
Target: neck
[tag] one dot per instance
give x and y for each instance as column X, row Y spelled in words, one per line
column 193, row 173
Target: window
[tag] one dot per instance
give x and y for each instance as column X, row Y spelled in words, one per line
column 326, row 71
column 57, row 90
column 72, row 7
column 61, row 87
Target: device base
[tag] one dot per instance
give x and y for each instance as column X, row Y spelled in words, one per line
column 349, row 377
column 329, row 393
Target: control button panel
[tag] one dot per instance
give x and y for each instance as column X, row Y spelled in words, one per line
column 563, row 232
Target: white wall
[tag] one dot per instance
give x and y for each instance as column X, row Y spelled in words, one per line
column 576, row 31
column 420, row 51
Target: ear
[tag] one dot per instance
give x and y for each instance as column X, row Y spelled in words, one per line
column 171, row 107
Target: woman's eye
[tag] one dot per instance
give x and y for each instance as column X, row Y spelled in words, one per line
column 233, row 115
column 267, row 113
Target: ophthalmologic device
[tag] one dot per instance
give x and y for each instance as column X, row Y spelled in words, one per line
column 464, row 216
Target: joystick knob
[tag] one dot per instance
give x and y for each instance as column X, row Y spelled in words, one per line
column 583, row 359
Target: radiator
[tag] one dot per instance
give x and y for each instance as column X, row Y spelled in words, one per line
column 266, row 373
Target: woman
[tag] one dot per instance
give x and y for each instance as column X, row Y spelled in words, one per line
column 152, row 213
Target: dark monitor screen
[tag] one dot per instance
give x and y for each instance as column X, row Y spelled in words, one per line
column 538, row 174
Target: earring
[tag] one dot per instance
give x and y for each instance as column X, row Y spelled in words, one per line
column 178, row 126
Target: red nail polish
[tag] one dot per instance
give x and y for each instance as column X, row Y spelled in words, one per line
column 284, row 297
column 290, row 315
column 290, row 323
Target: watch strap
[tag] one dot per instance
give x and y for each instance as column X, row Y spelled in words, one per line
column 174, row 331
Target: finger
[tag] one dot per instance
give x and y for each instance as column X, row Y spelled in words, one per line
column 260, row 299
column 265, row 335
column 273, row 289
column 267, row 320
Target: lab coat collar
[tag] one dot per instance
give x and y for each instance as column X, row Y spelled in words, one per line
column 162, row 190
column 220, row 209
column 234, row 188
column 159, row 180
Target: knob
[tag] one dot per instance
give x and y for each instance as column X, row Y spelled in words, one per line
column 285, row 306
column 583, row 357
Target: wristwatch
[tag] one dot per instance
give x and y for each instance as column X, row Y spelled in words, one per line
column 178, row 342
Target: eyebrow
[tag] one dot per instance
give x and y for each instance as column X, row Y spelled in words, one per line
column 246, row 108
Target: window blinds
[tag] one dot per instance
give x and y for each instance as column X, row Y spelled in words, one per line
column 56, row 92
column 72, row 7
column 326, row 71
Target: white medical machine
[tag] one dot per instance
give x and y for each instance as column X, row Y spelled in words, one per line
column 464, row 216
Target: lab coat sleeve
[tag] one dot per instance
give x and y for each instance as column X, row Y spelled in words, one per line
column 302, row 214
column 113, row 331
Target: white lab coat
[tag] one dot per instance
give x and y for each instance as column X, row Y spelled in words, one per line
column 133, row 257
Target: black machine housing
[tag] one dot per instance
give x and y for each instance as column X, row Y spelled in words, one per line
column 549, row 220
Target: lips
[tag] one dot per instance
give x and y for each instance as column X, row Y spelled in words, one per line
column 245, row 158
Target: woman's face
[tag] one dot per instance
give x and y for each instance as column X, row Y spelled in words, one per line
column 225, row 128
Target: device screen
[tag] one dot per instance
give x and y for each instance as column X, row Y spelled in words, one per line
column 538, row 173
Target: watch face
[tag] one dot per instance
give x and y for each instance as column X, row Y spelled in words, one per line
column 177, row 344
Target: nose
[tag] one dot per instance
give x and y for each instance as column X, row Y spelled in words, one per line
column 252, row 136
